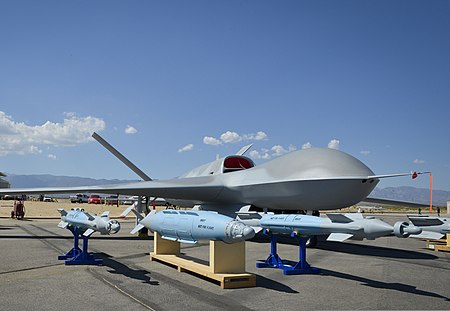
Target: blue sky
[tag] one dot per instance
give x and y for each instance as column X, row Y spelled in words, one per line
column 162, row 80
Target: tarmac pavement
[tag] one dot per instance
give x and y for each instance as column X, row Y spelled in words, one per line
column 388, row 273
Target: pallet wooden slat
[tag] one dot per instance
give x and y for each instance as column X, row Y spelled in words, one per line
column 227, row 262
column 442, row 245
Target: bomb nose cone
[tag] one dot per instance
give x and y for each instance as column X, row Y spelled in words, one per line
column 237, row 231
column 114, row 226
column 248, row 233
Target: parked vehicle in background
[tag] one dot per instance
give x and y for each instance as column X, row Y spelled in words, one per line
column 95, row 199
column 13, row 197
column 130, row 200
column 79, row 198
column 49, row 199
column 135, row 198
column 112, row 200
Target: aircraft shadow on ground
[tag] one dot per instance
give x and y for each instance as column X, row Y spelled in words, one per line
column 370, row 250
column 22, row 220
column 353, row 248
column 120, row 238
column 267, row 283
column 60, row 237
column 6, row 228
column 383, row 285
column 364, row 281
column 125, row 270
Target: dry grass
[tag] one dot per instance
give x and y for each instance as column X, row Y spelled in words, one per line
column 50, row 209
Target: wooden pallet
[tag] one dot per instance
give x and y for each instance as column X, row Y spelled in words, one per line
column 442, row 248
column 226, row 266
column 442, row 245
column 226, row 280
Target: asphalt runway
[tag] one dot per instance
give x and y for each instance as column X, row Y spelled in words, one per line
column 388, row 273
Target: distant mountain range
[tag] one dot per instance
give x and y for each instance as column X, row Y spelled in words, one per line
column 37, row 181
column 411, row 194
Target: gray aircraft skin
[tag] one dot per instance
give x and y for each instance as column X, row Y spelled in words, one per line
column 432, row 227
column 192, row 226
column 340, row 227
column 309, row 179
column 88, row 223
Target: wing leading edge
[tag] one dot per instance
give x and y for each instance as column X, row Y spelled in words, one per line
column 199, row 188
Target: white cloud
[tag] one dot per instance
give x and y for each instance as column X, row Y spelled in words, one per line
column 69, row 114
column 255, row 154
column 34, row 150
column 130, row 130
column 333, row 144
column 230, row 137
column 417, row 161
column 279, row 150
column 365, row 152
column 258, row 136
column 52, row 156
column 188, row 147
column 307, row 145
column 207, row 140
column 20, row 138
column 275, row 151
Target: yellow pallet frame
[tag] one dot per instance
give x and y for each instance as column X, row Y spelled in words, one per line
column 442, row 245
column 226, row 265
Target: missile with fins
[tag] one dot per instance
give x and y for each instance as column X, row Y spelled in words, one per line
column 87, row 222
column 340, row 227
column 432, row 227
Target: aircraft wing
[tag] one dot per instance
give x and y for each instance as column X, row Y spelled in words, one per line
column 205, row 188
column 395, row 202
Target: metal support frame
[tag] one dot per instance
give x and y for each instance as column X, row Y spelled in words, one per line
column 274, row 261
column 77, row 256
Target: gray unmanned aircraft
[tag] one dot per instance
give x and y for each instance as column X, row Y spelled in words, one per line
column 309, row 180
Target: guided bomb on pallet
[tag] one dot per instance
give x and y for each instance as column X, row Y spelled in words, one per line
column 192, row 226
